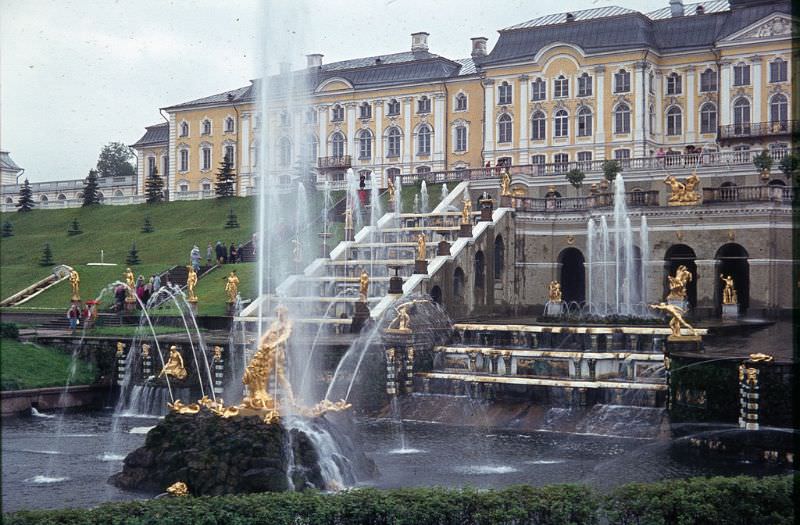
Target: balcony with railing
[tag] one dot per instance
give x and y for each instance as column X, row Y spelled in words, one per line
column 755, row 130
column 633, row 199
column 340, row 162
column 767, row 193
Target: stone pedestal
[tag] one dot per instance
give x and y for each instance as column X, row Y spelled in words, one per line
column 396, row 285
column 505, row 201
column 553, row 309
column 130, row 304
column 465, row 231
column 421, row 267
column 443, row 248
column 486, row 214
column 349, row 234
column 230, row 309
column 748, row 398
column 360, row 318
column 193, row 306
column 730, row 311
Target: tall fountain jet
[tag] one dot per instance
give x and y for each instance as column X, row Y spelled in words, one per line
column 617, row 274
column 423, row 198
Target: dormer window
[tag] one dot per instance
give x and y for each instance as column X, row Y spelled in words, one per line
column 206, row 127
column 337, row 113
column 504, row 94
column 561, row 87
column 393, row 108
column 365, row 111
column 424, row 105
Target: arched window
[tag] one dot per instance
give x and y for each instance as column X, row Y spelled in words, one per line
column 651, row 117
column 622, row 81
column 674, row 84
column 393, row 108
column 9, row 200
column 424, row 105
column 539, row 122
column 392, row 173
column 393, row 142
column 480, row 272
column 44, row 198
column 561, row 87
column 504, row 94
column 561, row 123
column 461, row 138
column 337, row 143
column 63, row 197
column 778, row 109
column 229, row 125
column 285, row 152
column 229, row 154
column 184, row 129
column 117, row 193
column 622, row 119
column 584, row 122
column 674, row 121
column 424, row 140
column 423, row 169
column 309, row 149
column 504, row 128
column 365, row 111
column 708, row 118
column 206, row 127
column 741, row 116
column 337, row 113
column 365, row 144
column 461, row 102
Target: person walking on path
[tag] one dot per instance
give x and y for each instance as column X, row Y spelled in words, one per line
column 195, row 256
column 220, row 252
column 232, row 253
column 209, row 255
column 73, row 314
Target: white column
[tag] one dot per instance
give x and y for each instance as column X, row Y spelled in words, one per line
column 599, row 113
column 639, row 103
column 488, row 119
column 439, row 127
column 725, row 95
column 756, row 79
column 407, row 138
column 322, row 120
column 523, row 118
column 377, row 177
column 140, row 160
column 243, row 153
column 659, row 106
column 173, row 154
column 351, row 130
column 691, row 110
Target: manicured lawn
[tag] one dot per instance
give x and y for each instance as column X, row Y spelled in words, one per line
column 210, row 289
column 130, row 331
column 27, row 365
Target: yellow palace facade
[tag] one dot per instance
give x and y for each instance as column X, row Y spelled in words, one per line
column 561, row 90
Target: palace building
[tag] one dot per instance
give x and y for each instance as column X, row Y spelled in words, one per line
column 554, row 92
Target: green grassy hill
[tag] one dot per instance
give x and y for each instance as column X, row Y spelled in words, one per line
column 28, row 365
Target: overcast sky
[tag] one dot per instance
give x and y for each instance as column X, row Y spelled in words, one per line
column 75, row 75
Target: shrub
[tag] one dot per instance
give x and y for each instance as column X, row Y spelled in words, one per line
column 763, row 161
column 9, row 330
column 47, row 256
column 74, row 228
column 789, row 165
column 610, row 169
column 133, row 256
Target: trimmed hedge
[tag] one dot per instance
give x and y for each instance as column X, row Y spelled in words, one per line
column 680, row 502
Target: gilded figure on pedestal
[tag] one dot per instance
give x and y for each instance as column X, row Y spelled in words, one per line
column 729, row 292
column 554, row 292
column 174, row 366
column 505, row 184
column 678, row 283
column 363, row 286
column 421, row 247
column 232, row 286
column 677, row 319
column 191, row 282
column 466, row 211
column 75, row 282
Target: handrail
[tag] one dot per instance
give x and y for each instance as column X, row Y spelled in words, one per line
column 598, row 200
column 759, row 129
column 765, row 193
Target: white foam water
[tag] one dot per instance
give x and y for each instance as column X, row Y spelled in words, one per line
column 45, row 479
column 544, row 461
column 48, row 452
column 107, row 456
column 36, row 413
column 485, row 469
column 406, row 451
column 140, row 430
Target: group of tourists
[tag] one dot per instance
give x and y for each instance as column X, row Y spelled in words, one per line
column 143, row 290
column 219, row 253
column 75, row 314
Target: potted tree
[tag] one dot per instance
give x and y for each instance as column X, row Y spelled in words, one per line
column 575, row 177
column 763, row 163
column 790, row 166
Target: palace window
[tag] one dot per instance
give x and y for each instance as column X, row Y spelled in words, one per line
column 651, row 82
column 392, row 173
column 708, row 118
column 560, row 160
column 778, row 109
column 741, row 75
column 708, row 81
column 622, row 81
column 585, row 85
column 424, row 140
column 393, row 108
column 183, row 160
column 561, row 123
column 229, row 125
column 585, row 157
column 365, row 111
column 285, row 118
column 504, row 125
column 229, row 154
column 561, row 87
column 461, row 102
column 623, row 156
column 151, row 165
column 337, row 143
column 584, row 122
column 393, row 143
column 311, row 116
column 183, row 186
column 423, row 169
column 205, row 162
column 539, row 126
column 741, row 116
column 424, row 105
column 461, row 138
column 778, row 70
column 364, row 144
column 538, row 89
column 674, row 84
column 206, row 127
column 538, row 161
column 308, row 149
column 622, row 119
column 674, row 121
column 337, row 113
column 504, row 94
column 651, row 117
column 206, row 185
column 184, row 129
column 285, row 152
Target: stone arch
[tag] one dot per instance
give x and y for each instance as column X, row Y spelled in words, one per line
column 499, row 257
column 458, row 286
column 572, row 275
column 732, row 259
column 480, row 277
column 436, row 294
column 676, row 255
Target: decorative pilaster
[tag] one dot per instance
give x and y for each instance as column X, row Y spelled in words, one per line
column 725, row 94
column 488, row 117
column 600, row 112
column 219, row 370
column 757, row 88
column 351, row 129
column 377, row 177
column 322, row 120
column 439, row 127
column 407, row 136
column 691, row 111
column 391, row 373
column 524, row 121
column 640, row 104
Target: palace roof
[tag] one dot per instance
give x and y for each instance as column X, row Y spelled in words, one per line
column 155, row 134
column 6, row 163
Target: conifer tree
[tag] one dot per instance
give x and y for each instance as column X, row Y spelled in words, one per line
column 233, row 220
column 154, row 188
column 226, row 179
column 133, row 256
column 8, row 229
column 74, row 228
column 47, row 256
column 90, row 190
column 147, row 227
column 25, row 202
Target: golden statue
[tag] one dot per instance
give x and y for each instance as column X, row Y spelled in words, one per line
column 390, row 355
column 145, row 350
column 268, row 361
column 752, row 376
column 729, row 292
column 683, row 193
column 761, row 358
column 391, row 189
column 741, row 372
column 191, row 282
column 421, row 247
column 217, row 353
column 174, row 366
column 466, row 211
column 232, row 286
column 554, row 292
column 348, row 219
column 178, row 489
column 677, row 284
column 505, row 184
column 75, row 281
column 677, row 318
column 402, row 321
column 130, row 282
column 120, row 348
column 180, row 408
column 363, row 285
